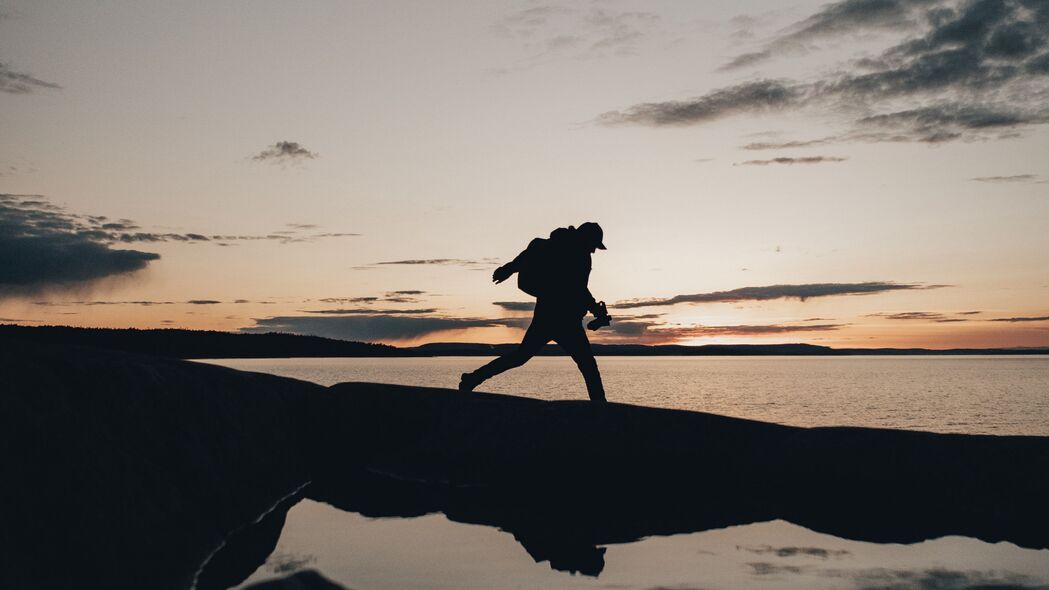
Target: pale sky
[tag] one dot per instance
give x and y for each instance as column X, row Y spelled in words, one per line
column 852, row 173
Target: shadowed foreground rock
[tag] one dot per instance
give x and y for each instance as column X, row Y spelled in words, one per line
column 129, row 471
column 124, row 471
column 567, row 477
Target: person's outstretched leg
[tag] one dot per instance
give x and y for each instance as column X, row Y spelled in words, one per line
column 534, row 339
column 573, row 339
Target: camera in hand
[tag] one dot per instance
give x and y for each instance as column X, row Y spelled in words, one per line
column 601, row 319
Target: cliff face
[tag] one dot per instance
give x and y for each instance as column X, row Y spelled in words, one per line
column 126, row 471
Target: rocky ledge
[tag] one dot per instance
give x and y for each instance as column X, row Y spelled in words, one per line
column 129, row 471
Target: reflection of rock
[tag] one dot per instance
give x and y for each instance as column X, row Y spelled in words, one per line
column 565, row 477
column 245, row 549
column 124, row 471
column 304, row 580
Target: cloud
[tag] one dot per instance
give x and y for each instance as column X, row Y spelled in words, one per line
column 377, row 327
column 15, row 82
column 515, row 305
column 770, row 292
column 284, row 151
column 104, row 230
column 45, row 249
column 444, row 261
column 834, row 19
column 141, row 303
column 372, row 311
column 916, row 315
column 936, row 579
column 763, row 568
column 1043, row 318
column 349, row 299
column 1015, row 178
column 403, row 296
column 818, row 552
column 643, row 330
column 479, row 264
column 751, row 97
column 577, row 32
column 976, row 70
column 772, row 145
column 902, row 579
column 805, row 160
column 683, row 332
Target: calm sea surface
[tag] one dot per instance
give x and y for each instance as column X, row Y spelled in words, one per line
column 971, row 394
column 998, row 395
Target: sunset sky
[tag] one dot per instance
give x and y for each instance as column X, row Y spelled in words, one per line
column 858, row 173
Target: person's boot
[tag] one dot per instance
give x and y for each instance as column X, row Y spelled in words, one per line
column 468, row 381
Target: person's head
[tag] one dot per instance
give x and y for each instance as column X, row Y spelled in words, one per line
column 592, row 236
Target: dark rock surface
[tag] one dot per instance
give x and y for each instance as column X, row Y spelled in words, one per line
column 616, row 473
column 127, row 471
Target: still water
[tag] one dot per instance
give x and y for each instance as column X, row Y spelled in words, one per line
column 986, row 395
column 971, row 394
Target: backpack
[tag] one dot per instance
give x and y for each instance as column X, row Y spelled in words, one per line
column 536, row 265
column 530, row 276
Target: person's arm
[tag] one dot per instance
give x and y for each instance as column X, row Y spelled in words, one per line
column 592, row 305
column 507, row 270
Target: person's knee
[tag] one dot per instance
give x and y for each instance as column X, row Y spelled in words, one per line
column 516, row 359
column 586, row 364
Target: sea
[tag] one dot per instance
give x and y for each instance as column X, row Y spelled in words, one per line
column 999, row 395
column 964, row 394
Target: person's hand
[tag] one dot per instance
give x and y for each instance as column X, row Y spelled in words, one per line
column 501, row 274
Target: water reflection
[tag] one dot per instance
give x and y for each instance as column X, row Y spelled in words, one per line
column 570, row 532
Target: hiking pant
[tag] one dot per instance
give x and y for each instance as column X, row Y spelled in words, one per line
column 564, row 329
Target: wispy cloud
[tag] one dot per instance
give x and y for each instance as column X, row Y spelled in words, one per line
column 472, row 264
column 770, row 292
column 744, row 330
column 791, row 161
column 515, row 305
column 835, row 19
column 102, row 229
column 751, row 97
column 576, row 32
column 975, row 70
column 1013, row 179
column 371, row 311
column 792, row 551
column 368, row 299
column 1043, row 318
column 142, row 303
column 284, row 151
column 377, row 327
column 929, row 316
column 15, row 82
column 635, row 330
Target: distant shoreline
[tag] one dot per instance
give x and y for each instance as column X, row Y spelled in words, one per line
column 201, row 344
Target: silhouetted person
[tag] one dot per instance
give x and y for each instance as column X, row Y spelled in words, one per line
column 556, row 272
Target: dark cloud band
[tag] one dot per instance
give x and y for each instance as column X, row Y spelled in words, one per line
column 976, row 70
column 45, row 249
column 376, row 327
column 770, row 292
